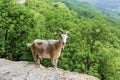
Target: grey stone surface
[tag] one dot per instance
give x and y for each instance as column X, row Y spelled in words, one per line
column 23, row 70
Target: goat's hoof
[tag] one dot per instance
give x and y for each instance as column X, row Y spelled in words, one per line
column 37, row 66
column 55, row 68
column 41, row 66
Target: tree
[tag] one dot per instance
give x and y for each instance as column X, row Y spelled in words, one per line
column 19, row 26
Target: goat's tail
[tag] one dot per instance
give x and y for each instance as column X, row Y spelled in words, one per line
column 29, row 45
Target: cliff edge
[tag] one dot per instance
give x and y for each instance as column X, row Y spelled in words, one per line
column 23, row 70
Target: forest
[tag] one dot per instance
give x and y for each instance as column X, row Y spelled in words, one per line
column 109, row 8
column 94, row 44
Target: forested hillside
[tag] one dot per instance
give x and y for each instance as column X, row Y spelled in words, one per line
column 94, row 44
column 110, row 8
column 111, row 13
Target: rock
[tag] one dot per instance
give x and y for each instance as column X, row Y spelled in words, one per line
column 23, row 70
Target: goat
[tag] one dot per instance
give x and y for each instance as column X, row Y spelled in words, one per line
column 48, row 49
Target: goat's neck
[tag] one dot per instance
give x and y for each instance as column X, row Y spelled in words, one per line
column 60, row 43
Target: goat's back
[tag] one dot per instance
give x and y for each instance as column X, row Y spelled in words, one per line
column 45, row 47
column 44, row 44
column 45, row 41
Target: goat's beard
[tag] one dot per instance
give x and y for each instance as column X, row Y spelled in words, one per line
column 63, row 47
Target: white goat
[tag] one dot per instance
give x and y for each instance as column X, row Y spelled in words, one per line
column 48, row 49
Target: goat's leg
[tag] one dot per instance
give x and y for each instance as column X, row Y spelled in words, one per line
column 34, row 53
column 38, row 61
column 56, row 62
column 39, row 58
column 34, row 56
column 53, row 62
column 35, row 59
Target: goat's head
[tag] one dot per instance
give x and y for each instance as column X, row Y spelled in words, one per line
column 64, row 37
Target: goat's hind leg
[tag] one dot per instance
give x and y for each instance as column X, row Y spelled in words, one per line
column 35, row 58
column 34, row 54
column 39, row 58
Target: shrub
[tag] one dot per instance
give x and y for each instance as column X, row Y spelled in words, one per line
column 19, row 26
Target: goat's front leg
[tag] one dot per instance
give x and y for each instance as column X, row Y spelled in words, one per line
column 56, row 62
column 53, row 62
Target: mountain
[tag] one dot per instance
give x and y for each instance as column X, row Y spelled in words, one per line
column 82, row 8
column 110, row 8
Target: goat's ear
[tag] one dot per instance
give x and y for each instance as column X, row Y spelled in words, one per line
column 67, row 32
column 68, row 37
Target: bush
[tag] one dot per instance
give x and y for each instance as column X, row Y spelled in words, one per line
column 20, row 25
column 109, row 68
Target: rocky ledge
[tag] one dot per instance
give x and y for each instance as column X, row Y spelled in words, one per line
column 23, row 70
